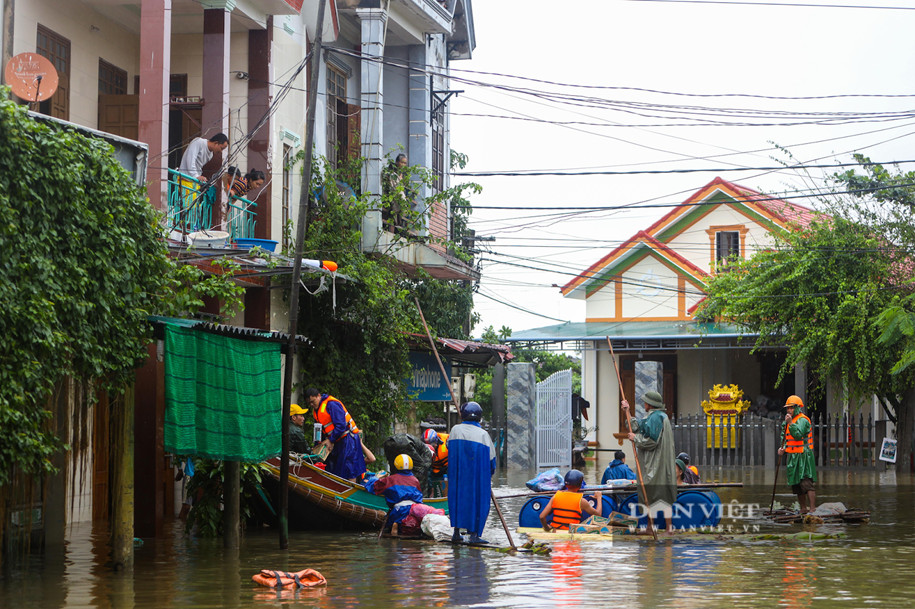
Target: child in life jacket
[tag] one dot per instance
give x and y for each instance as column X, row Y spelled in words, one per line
column 567, row 506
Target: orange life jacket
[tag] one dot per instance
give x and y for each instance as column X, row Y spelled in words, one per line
column 797, row 446
column 327, row 425
column 566, row 509
column 305, row 578
column 440, row 456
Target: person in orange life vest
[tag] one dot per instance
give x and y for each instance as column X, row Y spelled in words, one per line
column 567, row 506
column 340, row 435
column 797, row 441
column 438, row 473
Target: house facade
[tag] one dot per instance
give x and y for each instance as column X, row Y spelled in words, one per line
column 643, row 296
column 166, row 71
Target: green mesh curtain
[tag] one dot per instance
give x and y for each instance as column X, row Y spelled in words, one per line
column 222, row 396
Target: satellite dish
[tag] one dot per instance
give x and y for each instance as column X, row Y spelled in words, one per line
column 31, row 76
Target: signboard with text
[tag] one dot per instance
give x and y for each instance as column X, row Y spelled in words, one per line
column 425, row 381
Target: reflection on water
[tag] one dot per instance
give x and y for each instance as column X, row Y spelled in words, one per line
column 871, row 566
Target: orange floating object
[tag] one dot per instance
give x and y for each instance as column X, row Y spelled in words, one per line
column 306, row 578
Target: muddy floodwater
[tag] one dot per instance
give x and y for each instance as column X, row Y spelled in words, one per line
column 871, row 565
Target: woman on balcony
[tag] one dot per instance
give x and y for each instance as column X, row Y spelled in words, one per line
column 239, row 186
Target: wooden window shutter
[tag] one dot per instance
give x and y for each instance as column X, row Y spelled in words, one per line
column 353, row 126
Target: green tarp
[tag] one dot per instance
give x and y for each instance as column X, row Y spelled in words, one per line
column 222, row 396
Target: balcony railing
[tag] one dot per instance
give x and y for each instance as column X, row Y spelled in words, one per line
column 190, row 208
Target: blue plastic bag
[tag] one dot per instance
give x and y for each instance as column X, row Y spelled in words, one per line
column 549, row 480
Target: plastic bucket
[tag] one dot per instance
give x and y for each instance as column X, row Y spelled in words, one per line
column 267, row 244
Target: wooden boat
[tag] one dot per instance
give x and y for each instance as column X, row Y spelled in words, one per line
column 850, row 516
column 319, row 500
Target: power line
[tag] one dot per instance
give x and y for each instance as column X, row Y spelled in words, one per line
column 533, row 173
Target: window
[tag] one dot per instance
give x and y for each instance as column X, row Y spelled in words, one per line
column 438, row 150
column 56, row 48
column 336, row 116
column 112, row 80
column 287, row 194
column 727, row 245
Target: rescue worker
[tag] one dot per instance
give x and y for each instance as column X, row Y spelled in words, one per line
column 438, row 472
column 339, row 434
column 471, row 464
column 617, row 469
column 400, row 490
column 297, row 441
column 566, row 506
column 685, row 458
column 653, row 438
column 797, row 441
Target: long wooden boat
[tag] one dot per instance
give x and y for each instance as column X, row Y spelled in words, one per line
column 319, row 500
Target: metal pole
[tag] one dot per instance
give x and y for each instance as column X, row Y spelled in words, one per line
column 296, row 276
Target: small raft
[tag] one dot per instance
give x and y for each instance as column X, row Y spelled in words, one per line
column 827, row 513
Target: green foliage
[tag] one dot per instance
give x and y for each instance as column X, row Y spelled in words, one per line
column 206, row 514
column 817, row 292
column 81, row 267
column 358, row 331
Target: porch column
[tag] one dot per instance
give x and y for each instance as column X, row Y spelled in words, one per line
column 155, row 66
column 217, row 16
column 259, row 78
column 372, row 131
column 521, row 433
column 419, row 145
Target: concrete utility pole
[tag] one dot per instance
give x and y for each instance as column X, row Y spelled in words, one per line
column 312, row 100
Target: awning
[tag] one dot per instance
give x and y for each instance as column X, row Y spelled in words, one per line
column 635, row 336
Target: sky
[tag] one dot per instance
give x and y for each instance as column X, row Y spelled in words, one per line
column 647, row 88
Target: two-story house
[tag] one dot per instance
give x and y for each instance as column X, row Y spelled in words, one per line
column 643, row 295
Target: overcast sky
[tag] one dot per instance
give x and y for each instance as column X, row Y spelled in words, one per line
column 640, row 66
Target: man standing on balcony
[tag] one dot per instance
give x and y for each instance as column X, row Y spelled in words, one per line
column 798, row 443
column 199, row 152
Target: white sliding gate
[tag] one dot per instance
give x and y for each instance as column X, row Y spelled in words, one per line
column 554, row 420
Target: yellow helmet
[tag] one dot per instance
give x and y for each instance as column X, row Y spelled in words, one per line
column 403, row 462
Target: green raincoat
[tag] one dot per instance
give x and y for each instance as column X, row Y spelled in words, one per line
column 654, row 441
column 800, row 465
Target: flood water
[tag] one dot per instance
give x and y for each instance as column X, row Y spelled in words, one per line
column 873, row 565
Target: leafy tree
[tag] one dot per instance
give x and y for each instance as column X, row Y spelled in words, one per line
column 359, row 329
column 826, row 292
column 82, row 265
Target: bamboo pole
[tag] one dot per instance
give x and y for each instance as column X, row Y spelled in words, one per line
column 638, row 467
column 621, row 490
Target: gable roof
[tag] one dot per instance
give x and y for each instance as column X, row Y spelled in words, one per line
column 624, row 256
column 774, row 213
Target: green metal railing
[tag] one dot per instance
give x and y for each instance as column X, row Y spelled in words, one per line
column 190, row 208
column 241, row 218
column 190, row 204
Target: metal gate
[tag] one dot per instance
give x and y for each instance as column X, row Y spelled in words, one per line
column 554, row 420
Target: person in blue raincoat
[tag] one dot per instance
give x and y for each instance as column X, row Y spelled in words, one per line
column 471, row 464
column 618, row 470
column 400, row 490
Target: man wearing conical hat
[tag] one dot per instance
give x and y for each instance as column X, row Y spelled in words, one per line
column 654, row 443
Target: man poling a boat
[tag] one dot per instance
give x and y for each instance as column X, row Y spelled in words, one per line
column 654, row 439
column 798, row 443
column 566, row 506
column 340, row 435
column 471, row 464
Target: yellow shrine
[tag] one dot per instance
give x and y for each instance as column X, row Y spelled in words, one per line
column 723, row 410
